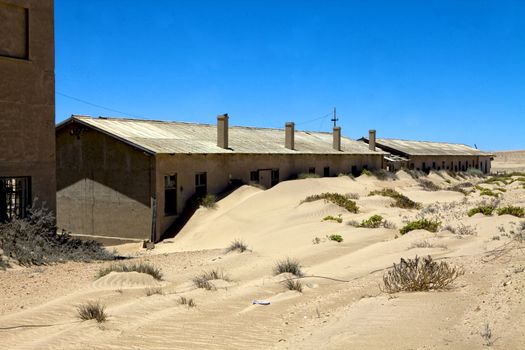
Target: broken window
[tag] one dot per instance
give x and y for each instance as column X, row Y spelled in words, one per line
column 170, row 195
column 254, row 176
column 201, row 185
column 15, row 197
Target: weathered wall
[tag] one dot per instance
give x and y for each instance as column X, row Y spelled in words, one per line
column 27, row 102
column 454, row 163
column 221, row 168
column 103, row 185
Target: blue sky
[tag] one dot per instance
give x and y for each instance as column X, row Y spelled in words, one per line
column 431, row 70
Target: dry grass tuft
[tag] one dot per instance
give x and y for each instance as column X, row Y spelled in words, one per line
column 203, row 280
column 237, row 245
column 92, row 310
column 288, row 265
column 141, row 267
column 152, row 291
column 294, row 285
column 420, row 274
column 187, row 301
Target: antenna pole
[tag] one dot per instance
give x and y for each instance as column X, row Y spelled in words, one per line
column 335, row 119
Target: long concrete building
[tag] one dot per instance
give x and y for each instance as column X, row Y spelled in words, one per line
column 131, row 178
column 426, row 155
column 27, row 106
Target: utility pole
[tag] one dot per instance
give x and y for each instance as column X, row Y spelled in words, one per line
column 335, row 119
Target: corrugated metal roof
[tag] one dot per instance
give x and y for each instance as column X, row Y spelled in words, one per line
column 178, row 137
column 426, row 148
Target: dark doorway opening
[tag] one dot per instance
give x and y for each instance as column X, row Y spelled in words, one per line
column 15, row 197
column 170, row 195
column 326, row 171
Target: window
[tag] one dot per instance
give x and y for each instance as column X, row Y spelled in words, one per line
column 14, row 31
column 433, row 165
column 354, row 170
column 326, row 171
column 311, row 170
column 170, row 195
column 201, row 185
column 254, row 176
column 15, row 197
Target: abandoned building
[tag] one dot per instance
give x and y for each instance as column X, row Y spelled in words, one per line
column 426, row 156
column 27, row 106
column 131, row 179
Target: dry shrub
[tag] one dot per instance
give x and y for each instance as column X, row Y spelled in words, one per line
column 336, row 198
column 420, row 274
column 141, row 267
column 152, row 291
column 294, row 285
column 203, row 280
column 187, row 301
column 35, row 241
column 288, row 265
column 92, row 310
column 428, row 185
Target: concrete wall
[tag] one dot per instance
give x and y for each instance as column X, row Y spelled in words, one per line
column 221, row 168
column 453, row 163
column 27, row 89
column 103, row 185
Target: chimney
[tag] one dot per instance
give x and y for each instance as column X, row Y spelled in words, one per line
column 372, row 140
column 337, row 138
column 289, row 138
column 222, row 131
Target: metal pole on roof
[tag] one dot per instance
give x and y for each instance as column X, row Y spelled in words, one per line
column 335, row 119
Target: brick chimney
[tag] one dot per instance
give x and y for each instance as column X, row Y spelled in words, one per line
column 372, row 140
column 289, row 138
column 337, row 138
column 222, row 131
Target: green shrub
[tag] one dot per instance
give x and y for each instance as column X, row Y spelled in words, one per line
column 308, row 176
column 336, row 198
column 288, row 265
column 483, row 209
column 337, row 238
column 208, row 201
column 373, row 222
column 400, row 201
column 366, row 172
column 139, row 267
column 338, row 219
column 511, row 210
column 423, row 224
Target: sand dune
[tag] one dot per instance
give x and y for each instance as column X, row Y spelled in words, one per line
column 341, row 305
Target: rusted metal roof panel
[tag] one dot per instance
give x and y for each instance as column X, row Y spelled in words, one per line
column 177, row 137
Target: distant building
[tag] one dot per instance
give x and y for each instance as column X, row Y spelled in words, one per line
column 27, row 106
column 426, row 156
column 131, row 179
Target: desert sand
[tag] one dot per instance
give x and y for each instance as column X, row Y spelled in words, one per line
column 341, row 307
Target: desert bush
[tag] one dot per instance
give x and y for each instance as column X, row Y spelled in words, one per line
column 415, row 174
column 141, row 267
column 389, row 225
column 152, row 291
column 426, row 244
column 336, row 238
column 208, row 201
column 288, row 265
column 383, row 175
column 294, row 285
column 316, row 240
column 487, row 192
column 461, row 188
column 422, row 224
column 352, row 195
column 428, row 185
column 187, row 301
column 308, row 176
column 354, row 223
column 461, row 229
column 366, row 172
column 92, row 310
column 237, row 245
column 483, row 209
column 336, row 198
column 35, row 241
column 511, row 210
column 420, row 274
column 373, row 222
column 339, row 219
column 203, row 280
column 400, row 201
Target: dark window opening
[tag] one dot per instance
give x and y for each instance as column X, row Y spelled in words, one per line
column 254, row 176
column 275, row 177
column 423, row 166
column 170, row 195
column 354, row 170
column 433, row 165
column 326, row 171
column 411, row 166
column 15, row 197
column 311, row 170
column 201, row 184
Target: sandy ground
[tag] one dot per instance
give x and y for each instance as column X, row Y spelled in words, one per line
column 343, row 307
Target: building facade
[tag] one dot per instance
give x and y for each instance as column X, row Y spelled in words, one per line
column 426, row 156
column 27, row 106
column 131, row 179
